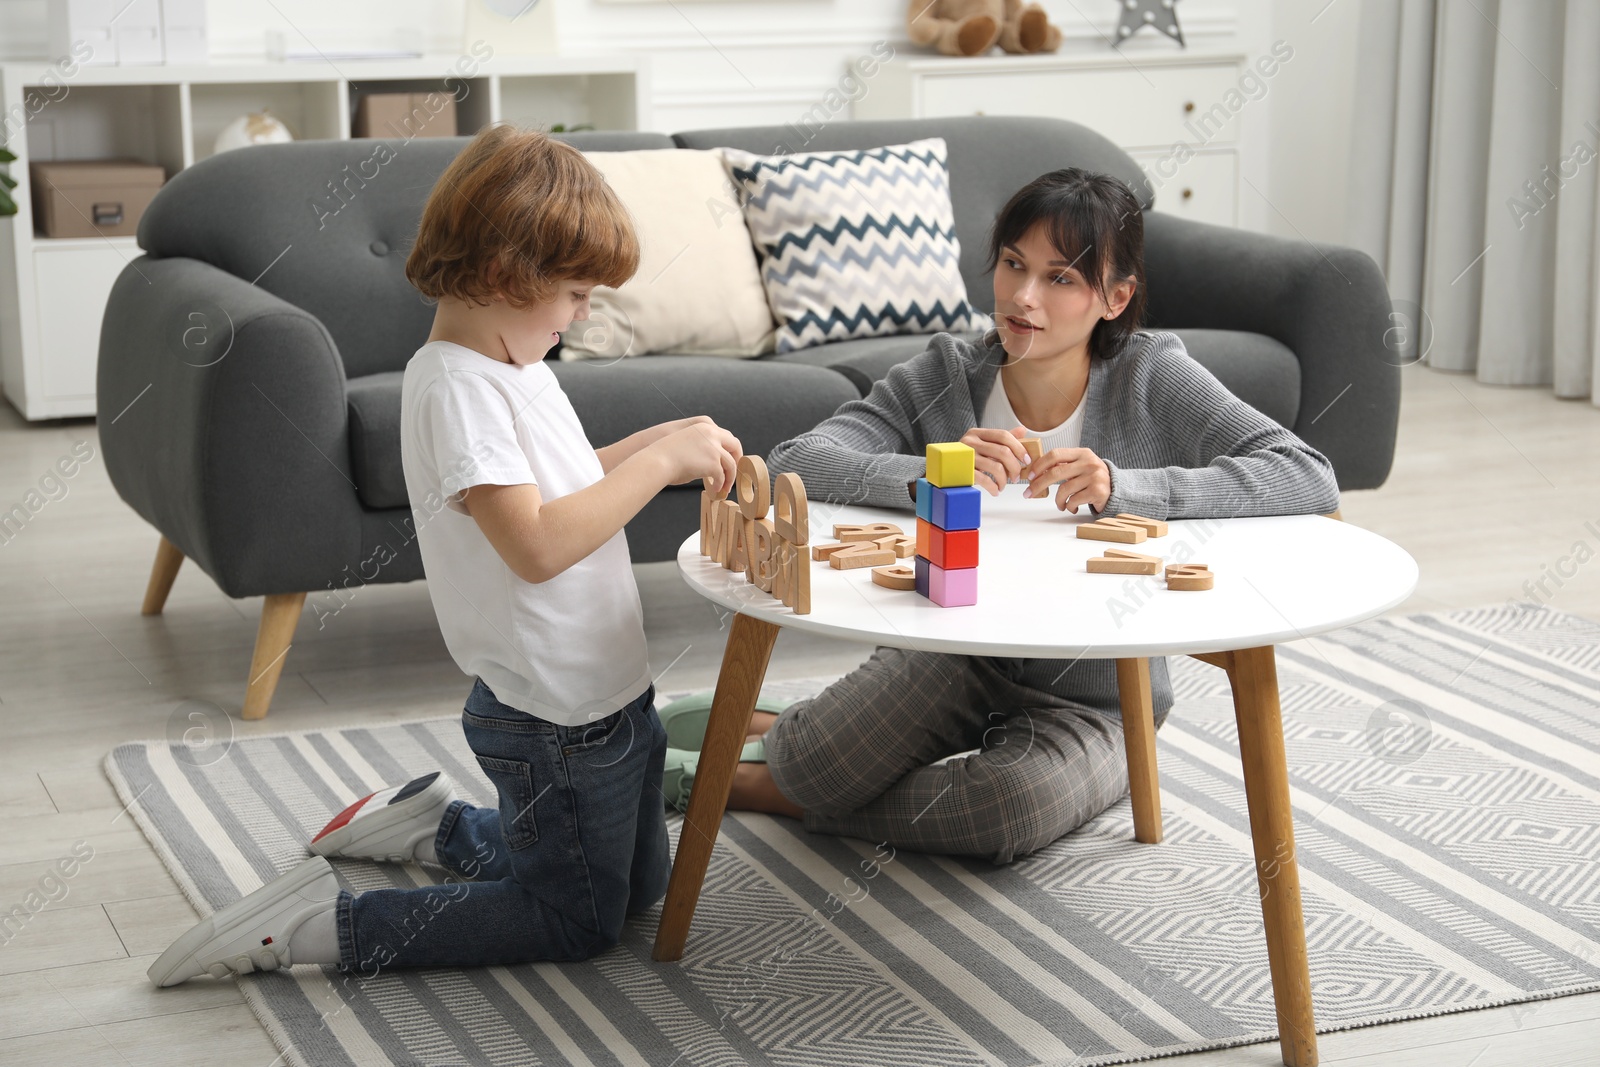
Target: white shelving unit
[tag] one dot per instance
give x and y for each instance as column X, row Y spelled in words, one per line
column 53, row 291
column 1146, row 103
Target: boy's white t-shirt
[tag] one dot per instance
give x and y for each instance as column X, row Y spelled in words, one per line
column 571, row 649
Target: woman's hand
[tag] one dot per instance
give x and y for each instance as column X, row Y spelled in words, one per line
column 1000, row 458
column 1083, row 476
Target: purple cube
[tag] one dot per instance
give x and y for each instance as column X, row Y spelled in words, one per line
column 954, row 588
column 956, row 508
column 922, row 566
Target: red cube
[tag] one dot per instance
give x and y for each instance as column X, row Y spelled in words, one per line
column 950, row 549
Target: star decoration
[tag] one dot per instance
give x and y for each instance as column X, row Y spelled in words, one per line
column 1137, row 14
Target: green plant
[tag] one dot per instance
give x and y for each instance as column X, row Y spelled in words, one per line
column 562, row 128
column 8, row 206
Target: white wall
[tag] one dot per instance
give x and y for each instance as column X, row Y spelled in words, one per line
column 736, row 62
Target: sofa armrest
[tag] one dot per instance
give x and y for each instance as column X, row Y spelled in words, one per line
column 1328, row 304
column 223, row 423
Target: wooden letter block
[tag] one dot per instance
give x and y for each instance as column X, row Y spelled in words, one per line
column 848, row 532
column 708, row 506
column 761, row 540
column 1113, row 530
column 751, row 487
column 802, row 584
column 1153, row 527
column 861, row 554
column 897, row 577
column 792, row 583
column 709, row 515
column 781, row 576
column 951, row 464
column 790, row 516
column 1122, row 561
column 1034, row 446
column 724, row 514
column 738, row 552
column 902, row 546
column 1189, row 576
column 822, row 552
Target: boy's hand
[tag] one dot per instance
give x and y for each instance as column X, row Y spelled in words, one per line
column 700, row 450
column 1083, row 476
column 1000, row 458
column 634, row 443
column 664, row 428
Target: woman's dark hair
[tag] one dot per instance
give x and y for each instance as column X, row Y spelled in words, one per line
column 1094, row 221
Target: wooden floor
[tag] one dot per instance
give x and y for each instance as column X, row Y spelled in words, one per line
column 1491, row 489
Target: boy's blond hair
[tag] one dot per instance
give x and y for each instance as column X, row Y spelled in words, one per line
column 529, row 206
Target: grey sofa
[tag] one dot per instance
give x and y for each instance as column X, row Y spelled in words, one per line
column 271, row 321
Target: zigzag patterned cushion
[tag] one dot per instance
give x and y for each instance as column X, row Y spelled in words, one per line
column 855, row 243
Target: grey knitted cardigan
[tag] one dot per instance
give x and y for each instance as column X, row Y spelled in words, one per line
column 1177, row 443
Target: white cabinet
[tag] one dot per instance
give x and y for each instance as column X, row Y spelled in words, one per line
column 53, row 291
column 1182, row 117
column 1130, row 107
column 1204, row 187
column 72, row 279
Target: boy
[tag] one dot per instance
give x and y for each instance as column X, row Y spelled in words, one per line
column 529, row 574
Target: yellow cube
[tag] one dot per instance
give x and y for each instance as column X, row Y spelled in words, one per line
column 951, row 464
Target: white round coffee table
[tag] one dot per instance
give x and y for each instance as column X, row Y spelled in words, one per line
column 1277, row 579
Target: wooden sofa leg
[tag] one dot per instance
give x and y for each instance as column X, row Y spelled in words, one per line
column 168, row 559
column 279, row 615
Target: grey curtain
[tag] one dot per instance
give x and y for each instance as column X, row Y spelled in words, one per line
column 1473, row 181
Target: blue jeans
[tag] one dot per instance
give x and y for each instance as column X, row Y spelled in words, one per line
column 578, row 843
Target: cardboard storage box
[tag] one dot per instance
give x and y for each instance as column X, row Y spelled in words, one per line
column 92, row 198
column 405, row 115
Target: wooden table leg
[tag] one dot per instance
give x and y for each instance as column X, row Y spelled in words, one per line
column 744, row 665
column 1139, row 737
column 1253, row 673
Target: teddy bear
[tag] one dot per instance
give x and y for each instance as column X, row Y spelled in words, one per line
column 972, row 27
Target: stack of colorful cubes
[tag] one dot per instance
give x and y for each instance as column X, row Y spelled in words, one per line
column 948, row 508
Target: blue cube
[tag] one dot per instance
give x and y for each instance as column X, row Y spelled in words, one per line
column 957, row 508
column 922, row 566
column 925, row 491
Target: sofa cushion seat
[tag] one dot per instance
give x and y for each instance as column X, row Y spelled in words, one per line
column 760, row 402
column 374, row 404
column 1257, row 369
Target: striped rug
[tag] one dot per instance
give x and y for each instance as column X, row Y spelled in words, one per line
column 1446, row 779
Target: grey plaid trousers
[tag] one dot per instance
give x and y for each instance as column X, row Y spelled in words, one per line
column 867, row 757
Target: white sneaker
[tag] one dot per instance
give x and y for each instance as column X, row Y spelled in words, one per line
column 388, row 824
column 253, row 932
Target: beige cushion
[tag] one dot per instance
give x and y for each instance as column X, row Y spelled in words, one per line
column 698, row 290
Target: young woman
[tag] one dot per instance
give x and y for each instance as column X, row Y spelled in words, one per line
column 1130, row 423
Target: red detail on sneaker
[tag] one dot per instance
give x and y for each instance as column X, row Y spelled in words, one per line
column 343, row 817
column 266, row 940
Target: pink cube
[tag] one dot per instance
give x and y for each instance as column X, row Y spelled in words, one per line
column 953, row 588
